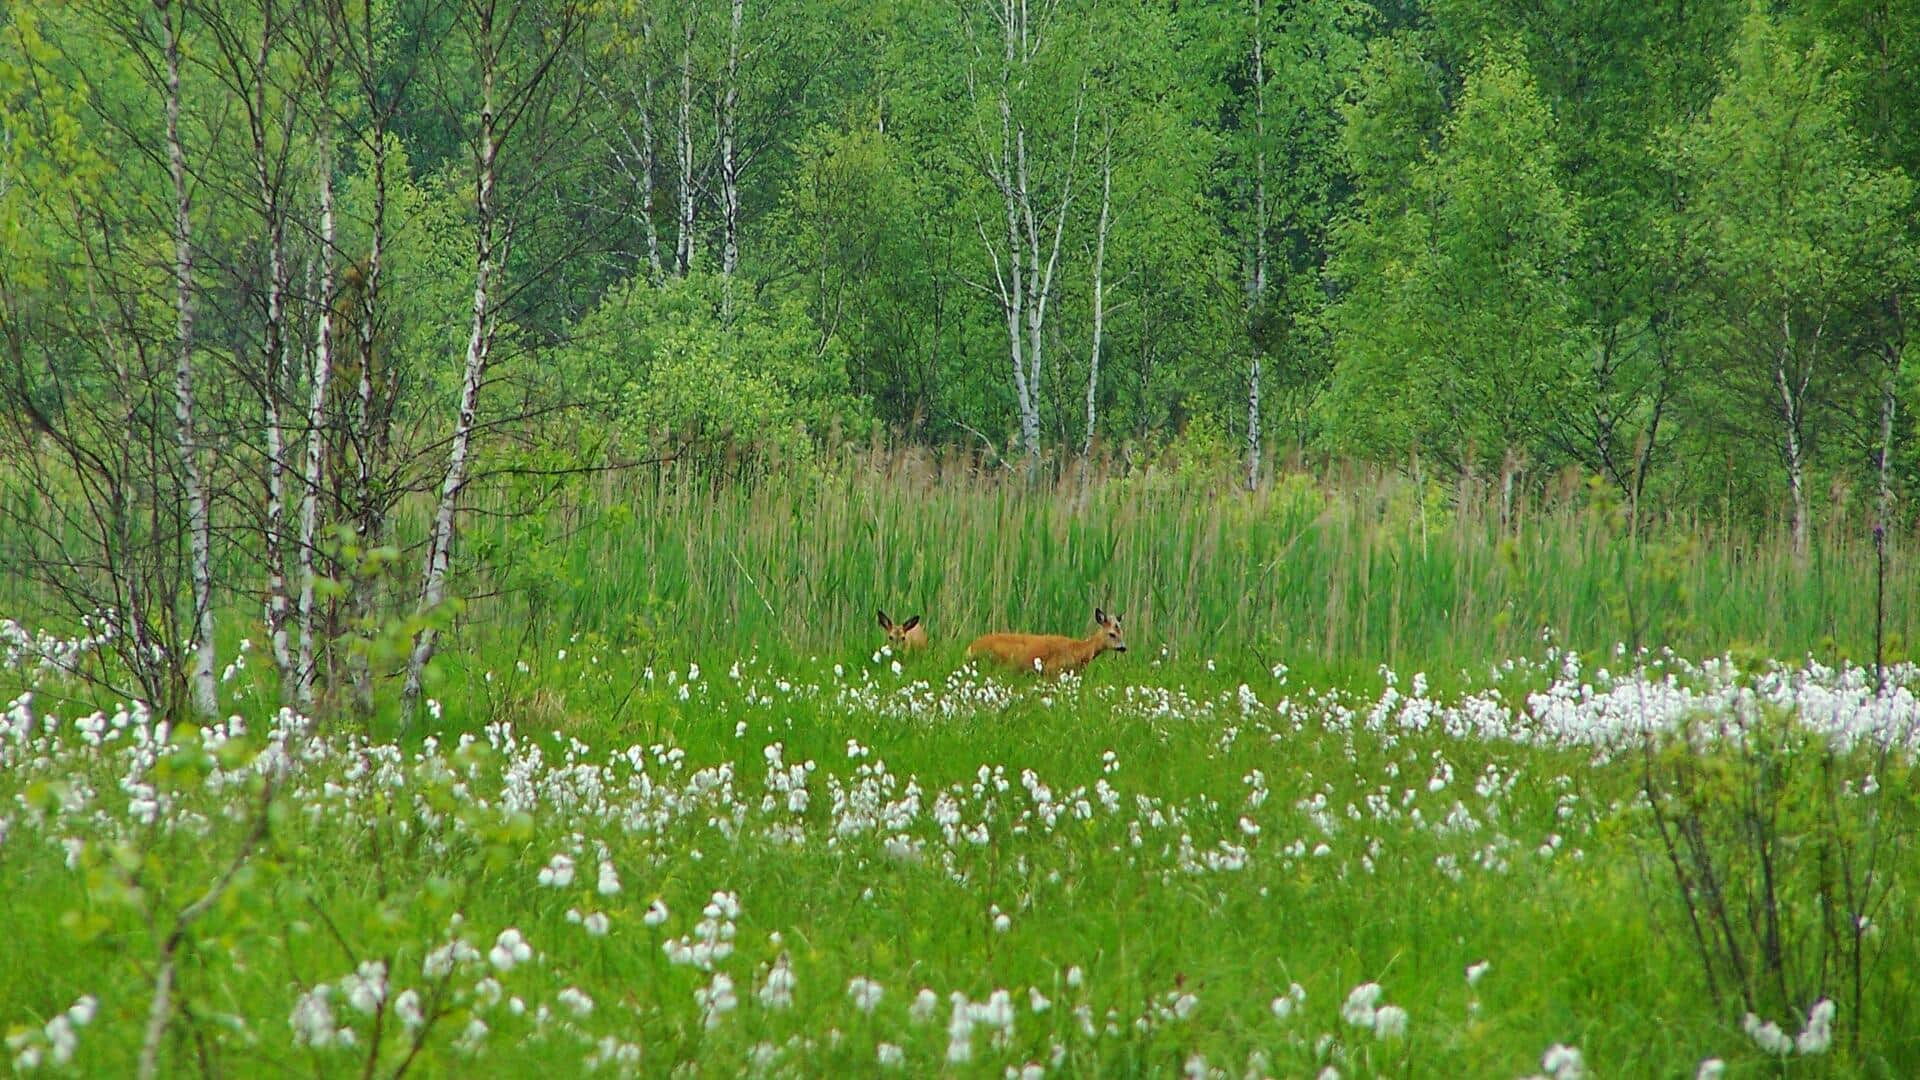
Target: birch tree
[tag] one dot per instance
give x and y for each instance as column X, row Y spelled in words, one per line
column 1026, row 255
column 635, row 153
column 729, row 119
column 199, row 503
column 1099, row 284
column 317, row 418
column 1793, row 229
column 243, row 59
column 683, row 145
column 1257, row 262
column 370, row 426
column 514, row 63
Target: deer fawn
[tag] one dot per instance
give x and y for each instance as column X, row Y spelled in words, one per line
column 1052, row 653
column 904, row 637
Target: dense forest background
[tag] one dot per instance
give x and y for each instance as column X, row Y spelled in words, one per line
column 271, row 269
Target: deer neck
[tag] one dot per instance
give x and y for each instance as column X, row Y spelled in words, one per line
column 1089, row 647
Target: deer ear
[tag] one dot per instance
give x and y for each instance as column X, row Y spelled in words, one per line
column 885, row 623
column 910, row 623
column 1100, row 616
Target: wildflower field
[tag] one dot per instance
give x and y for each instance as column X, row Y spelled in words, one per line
column 860, row 866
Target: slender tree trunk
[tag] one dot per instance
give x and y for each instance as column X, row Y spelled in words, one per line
column 683, row 243
column 199, row 509
column 1790, row 415
column 1883, row 505
column 1026, row 284
column 1099, row 286
column 1257, row 283
column 1889, row 402
column 479, row 341
column 273, row 361
column 1013, row 289
column 729, row 162
column 317, row 421
column 646, row 148
column 373, row 427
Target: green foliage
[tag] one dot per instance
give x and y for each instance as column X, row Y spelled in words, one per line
column 1456, row 330
column 666, row 361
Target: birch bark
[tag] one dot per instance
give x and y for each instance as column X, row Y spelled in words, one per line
column 199, row 509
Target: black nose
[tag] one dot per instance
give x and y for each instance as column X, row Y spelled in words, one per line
column 1119, row 648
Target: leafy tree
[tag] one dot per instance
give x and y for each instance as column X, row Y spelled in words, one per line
column 1455, row 332
column 1793, row 229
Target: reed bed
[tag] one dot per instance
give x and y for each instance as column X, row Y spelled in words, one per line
column 1338, row 568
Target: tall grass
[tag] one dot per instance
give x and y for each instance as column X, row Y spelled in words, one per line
column 1340, row 571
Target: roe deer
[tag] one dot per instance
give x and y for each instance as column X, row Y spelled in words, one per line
column 1052, row 653
column 904, row 637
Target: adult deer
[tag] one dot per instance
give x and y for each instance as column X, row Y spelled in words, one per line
column 1052, row 653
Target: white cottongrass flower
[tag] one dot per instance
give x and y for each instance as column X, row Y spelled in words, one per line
column 1767, row 1036
column 509, row 950
column 777, row 991
column 1389, row 1022
column 656, row 913
column 1075, row 977
column 997, row 1013
column 1477, row 971
column 61, row 1040
column 865, row 993
column 558, row 873
column 470, row 1039
column 1564, row 1063
column 576, row 1001
column 960, row 1031
column 925, row 1003
column 1037, row 1001
column 442, row 961
column 407, row 1008
column 716, row 999
column 889, row 1056
column 1818, row 1035
column 367, row 987
column 596, row 924
column 1284, row 1005
column 1711, row 1069
column 83, row 1010
column 1359, row 1008
column 609, row 880
column 312, row 1019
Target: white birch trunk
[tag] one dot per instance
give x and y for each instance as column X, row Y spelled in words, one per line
column 370, row 436
column 1790, row 416
column 1012, row 284
column 279, row 607
column 729, row 163
column 1025, row 283
column 1888, row 403
column 1257, row 285
column 310, row 475
column 683, row 243
column 1099, row 288
column 646, row 148
column 199, row 509
column 479, row 340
